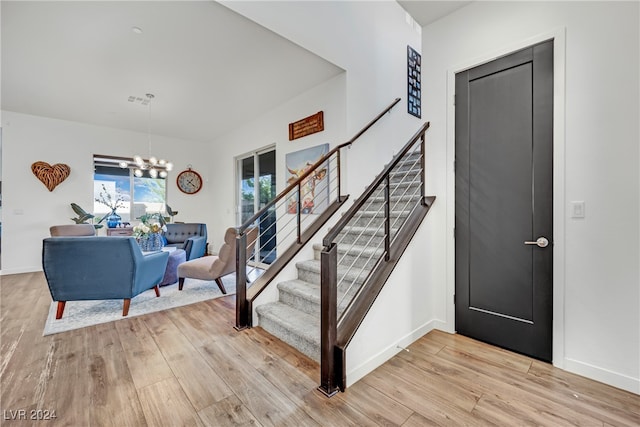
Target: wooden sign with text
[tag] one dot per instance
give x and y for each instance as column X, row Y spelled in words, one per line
column 306, row 126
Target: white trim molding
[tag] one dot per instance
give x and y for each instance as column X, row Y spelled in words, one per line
column 615, row 379
column 381, row 357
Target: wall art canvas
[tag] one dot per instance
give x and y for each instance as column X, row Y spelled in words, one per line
column 414, row 84
column 314, row 189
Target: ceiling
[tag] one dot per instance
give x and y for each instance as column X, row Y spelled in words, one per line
column 426, row 11
column 209, row 68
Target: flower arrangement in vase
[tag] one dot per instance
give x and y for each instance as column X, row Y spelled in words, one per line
column 148, row 233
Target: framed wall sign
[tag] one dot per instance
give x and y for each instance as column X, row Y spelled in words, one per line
column 414, row 85
column 312, row 124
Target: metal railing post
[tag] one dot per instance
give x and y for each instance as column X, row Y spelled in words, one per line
column 387, row 217
column 328, row 320
column 423, row 155
column 299, row 214
column 242, row 307
column 339, row 175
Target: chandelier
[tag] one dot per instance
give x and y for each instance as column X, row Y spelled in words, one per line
column 153, row 166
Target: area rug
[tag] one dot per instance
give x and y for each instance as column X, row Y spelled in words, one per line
column 80, row 314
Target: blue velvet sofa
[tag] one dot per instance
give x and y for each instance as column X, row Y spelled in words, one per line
column 99, row 267
column 192, row 237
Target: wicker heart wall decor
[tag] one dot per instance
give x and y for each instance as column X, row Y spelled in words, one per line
column 50, row 175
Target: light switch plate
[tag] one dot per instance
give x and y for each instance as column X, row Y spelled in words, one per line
column 577, row 209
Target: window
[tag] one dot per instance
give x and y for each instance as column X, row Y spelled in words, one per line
column 138, row 195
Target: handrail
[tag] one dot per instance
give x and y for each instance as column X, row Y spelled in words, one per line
column 286, row 191
column 372, row 122
column 324, row 158
column 244, row 300
column 344, row 220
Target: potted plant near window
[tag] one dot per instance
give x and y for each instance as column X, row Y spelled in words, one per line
column 113, row 219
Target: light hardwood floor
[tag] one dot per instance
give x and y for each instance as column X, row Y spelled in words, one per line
column 188, row 366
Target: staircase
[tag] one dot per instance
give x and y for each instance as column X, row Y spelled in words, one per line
column 295, row 317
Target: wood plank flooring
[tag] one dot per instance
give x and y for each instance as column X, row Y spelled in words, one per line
column 188, row 366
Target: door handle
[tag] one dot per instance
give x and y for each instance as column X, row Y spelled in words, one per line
column 541, row 242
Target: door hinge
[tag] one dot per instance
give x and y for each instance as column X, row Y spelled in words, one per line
column 454, row 165
column 454, row 232
column 454, row 299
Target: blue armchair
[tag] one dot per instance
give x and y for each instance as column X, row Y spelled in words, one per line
column 98, row 267
column 192, row 237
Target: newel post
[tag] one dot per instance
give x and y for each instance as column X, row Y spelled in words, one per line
column 328, row 320
column 387, row 217
column 242, row 308
column 299, row 215
column 423, row 155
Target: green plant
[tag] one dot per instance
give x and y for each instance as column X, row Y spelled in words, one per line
column 170, row 212
column 83, row 216
column 150, row 218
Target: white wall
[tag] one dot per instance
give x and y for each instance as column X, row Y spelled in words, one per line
column 272, row 129
column 30, row 209
column 267, row 130
column 597, row 277
column 369, row 40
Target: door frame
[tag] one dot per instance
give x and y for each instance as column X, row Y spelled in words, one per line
column 238, row 177
column 558, row 36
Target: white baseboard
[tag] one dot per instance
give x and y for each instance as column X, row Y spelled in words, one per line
column 605, row 376
column 8, row 271
column 372, row 363
column 595, row 373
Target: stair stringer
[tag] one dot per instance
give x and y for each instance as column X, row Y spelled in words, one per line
column 403, row 311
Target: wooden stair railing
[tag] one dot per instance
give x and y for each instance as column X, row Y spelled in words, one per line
column 295, row 235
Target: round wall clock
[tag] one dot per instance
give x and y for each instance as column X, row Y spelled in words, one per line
column 189, row 181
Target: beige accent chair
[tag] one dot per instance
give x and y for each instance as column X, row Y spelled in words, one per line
column 71, row 230
column 216, row 266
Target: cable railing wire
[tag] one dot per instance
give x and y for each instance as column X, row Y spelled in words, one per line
column 381, row 242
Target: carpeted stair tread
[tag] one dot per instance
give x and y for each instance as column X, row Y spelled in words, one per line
column 302, row 289
column 301, row 295
column 394, row 198
column 313, row 266
column 296, row 328
column 380, row 213
column 361, row 233
column 365, row 231
column 349, row 248
column 305, row 296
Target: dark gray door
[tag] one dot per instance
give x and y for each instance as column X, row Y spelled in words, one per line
column 504, row 198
